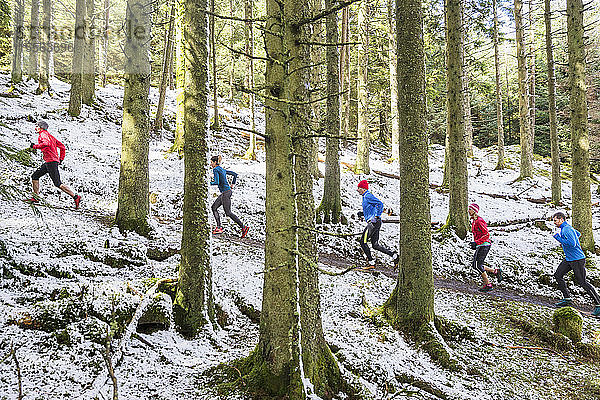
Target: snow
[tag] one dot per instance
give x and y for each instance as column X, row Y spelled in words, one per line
column 67, row 252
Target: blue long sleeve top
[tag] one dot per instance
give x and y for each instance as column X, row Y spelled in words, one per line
column 372, row 206
column 220, row 178
column 569, row 240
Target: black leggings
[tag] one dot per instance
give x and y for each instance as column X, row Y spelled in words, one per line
column 578, row 267
column 479, row 257
column 372, row 232
column 224, row 199
column 50, row 168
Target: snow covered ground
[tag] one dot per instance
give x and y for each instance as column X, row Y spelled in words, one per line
column 77, row 261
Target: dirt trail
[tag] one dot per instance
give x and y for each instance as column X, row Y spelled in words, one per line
column 440, row 282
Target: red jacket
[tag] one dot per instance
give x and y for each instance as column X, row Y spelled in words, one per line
column 48, row 144
column 480, row 231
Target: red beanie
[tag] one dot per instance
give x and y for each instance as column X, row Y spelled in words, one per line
column 474, row 207
column 363, row 184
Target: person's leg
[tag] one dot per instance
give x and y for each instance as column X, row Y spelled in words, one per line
column 563, row 268
column 227, row 208
column 364, row 240
column 580, row 274
column 35, row 178
column 375, row 240
column 215, row 210
column 55, row 176
column 481, row 255
column 36, row 186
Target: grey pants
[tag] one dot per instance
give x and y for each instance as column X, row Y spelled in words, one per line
column 578, row 267
column 224, row 200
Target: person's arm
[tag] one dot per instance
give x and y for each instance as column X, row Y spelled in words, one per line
column 375, row 202
column 62, row 151
column 215, row 180
column 481, row 226
column 234, row 176
column 566, row 237
column 43, row 142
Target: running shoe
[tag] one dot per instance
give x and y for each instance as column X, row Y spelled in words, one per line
column 217, row 230
column 596, row 312
column 245, row 230
column 566, row 302
column 486, row 288
column 77, row 200
column 498, row 274
column 33, row 200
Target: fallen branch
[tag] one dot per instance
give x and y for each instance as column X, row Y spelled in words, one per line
column 109, row 366
column 10, row 95
column 525, row 348
column 308, row 228
column 14, row 356
column 141, row 339
column 352, row 268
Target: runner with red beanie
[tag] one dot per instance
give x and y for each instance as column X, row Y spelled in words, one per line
column 49, row 147
column 372, row 209
column 481, row 244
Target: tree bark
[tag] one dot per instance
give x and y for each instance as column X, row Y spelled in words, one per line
column 216, row 125
column 499, row 119
column 46, row 50
column 251, row 151
column 582, row 209
column 88, row 83
column 78, row 52
column 524, row 116
column 531, row 59
column 179, row 83
column 16, row 75
column 554, row 149
column 362, row 150
column 316, row 53
column 133, row 201
column 331, row 204
column 345, row 75
column 457, row 152
column 466, row 93
column 232, row 54
column 34, row 40
column 393, row 64
column 194, row 302
column 104, row 62
column 164, row 80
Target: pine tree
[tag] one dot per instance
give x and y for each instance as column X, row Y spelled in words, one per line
column 499, row 118
column 580, row 143
column 554, row 149
column 88, row 79
column 164, row 79
column 249, row 33
column 393, row 61
column 194, row 303
column 363, row 145
column 179, row 83
column 78, row 53
column 34, row 40
column 104, row 53
column 133, row 202
column 345, row 74
column 44, row 78
column 215, row 126
column 16, row 75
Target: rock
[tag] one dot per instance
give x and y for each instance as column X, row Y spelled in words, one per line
column 50, row 316
column 541, row 224
column 157, row 314
column 568, row 322
column 92, row 329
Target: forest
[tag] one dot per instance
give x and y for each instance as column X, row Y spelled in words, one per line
column 299, row 199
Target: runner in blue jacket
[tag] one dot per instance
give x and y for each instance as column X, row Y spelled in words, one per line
column 372, row 209
column 224, row 199
column 574, row 260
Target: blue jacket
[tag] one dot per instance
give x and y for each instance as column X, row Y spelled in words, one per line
column 569, row 240
column 220, row 178
column 372, row 206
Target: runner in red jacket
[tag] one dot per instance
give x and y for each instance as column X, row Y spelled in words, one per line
column 49, row 146
column 481, row 244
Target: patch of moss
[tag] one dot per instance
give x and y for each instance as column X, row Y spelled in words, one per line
column 568, row 322
column 453, row 331
column 542, row 334
column 63, row 337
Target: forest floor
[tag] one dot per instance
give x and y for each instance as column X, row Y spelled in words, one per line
column 74, row 275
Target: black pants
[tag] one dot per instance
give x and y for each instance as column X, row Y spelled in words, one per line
column 224, row 200
column 372, row 232
column 50, row 168
column 578, row 267
column 479, row 257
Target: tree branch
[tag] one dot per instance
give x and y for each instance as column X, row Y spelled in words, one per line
column 324, row 13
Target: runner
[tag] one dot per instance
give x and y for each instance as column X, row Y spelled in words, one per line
column 372, row 209
column 481, row 244
column 574, row 260
column 49, row 146
column 224, row 199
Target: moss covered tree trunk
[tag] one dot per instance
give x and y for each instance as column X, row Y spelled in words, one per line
column 457, row 152
column 215, row 126
column 393, row 61
column 164, row 78
column 554, row 149
column 194, row 303
column 88, row 82
column 363, row 145
column 16, row 75
column 531, row 60
column 524, row 116
column 34, row 40
column 411, row 302
column 499, row 118
column 331, row 204
column 78, row 53
column 103, row 55
column 466, row 92
column 249, row 32
column 179, row 80
column 133, row 201
column 46, row 50
column 580, row 144
column 232, row 55
column 345, row 75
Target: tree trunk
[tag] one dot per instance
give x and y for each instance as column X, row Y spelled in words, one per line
column 466, row 93
column 411, row 302
column 179, row 83
column 104, row 63
column 345, row 75
column 158, row 121
column 317, row 56
column 34, row 40
column 88, row 83
column 531, row 59
column 555, row 151
column 231, row 53
column 133, row 201
column 216, row 125
column 251, row 151
column 524, row 116
column 393, row 63
column 331, row 204
column 46, row 50
column 582, row 209
column 499, row 119
column 16, row 75
column 362, row 150
column 194, row 303
column 78, row 49
column 292, row 358
column 457, row 152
